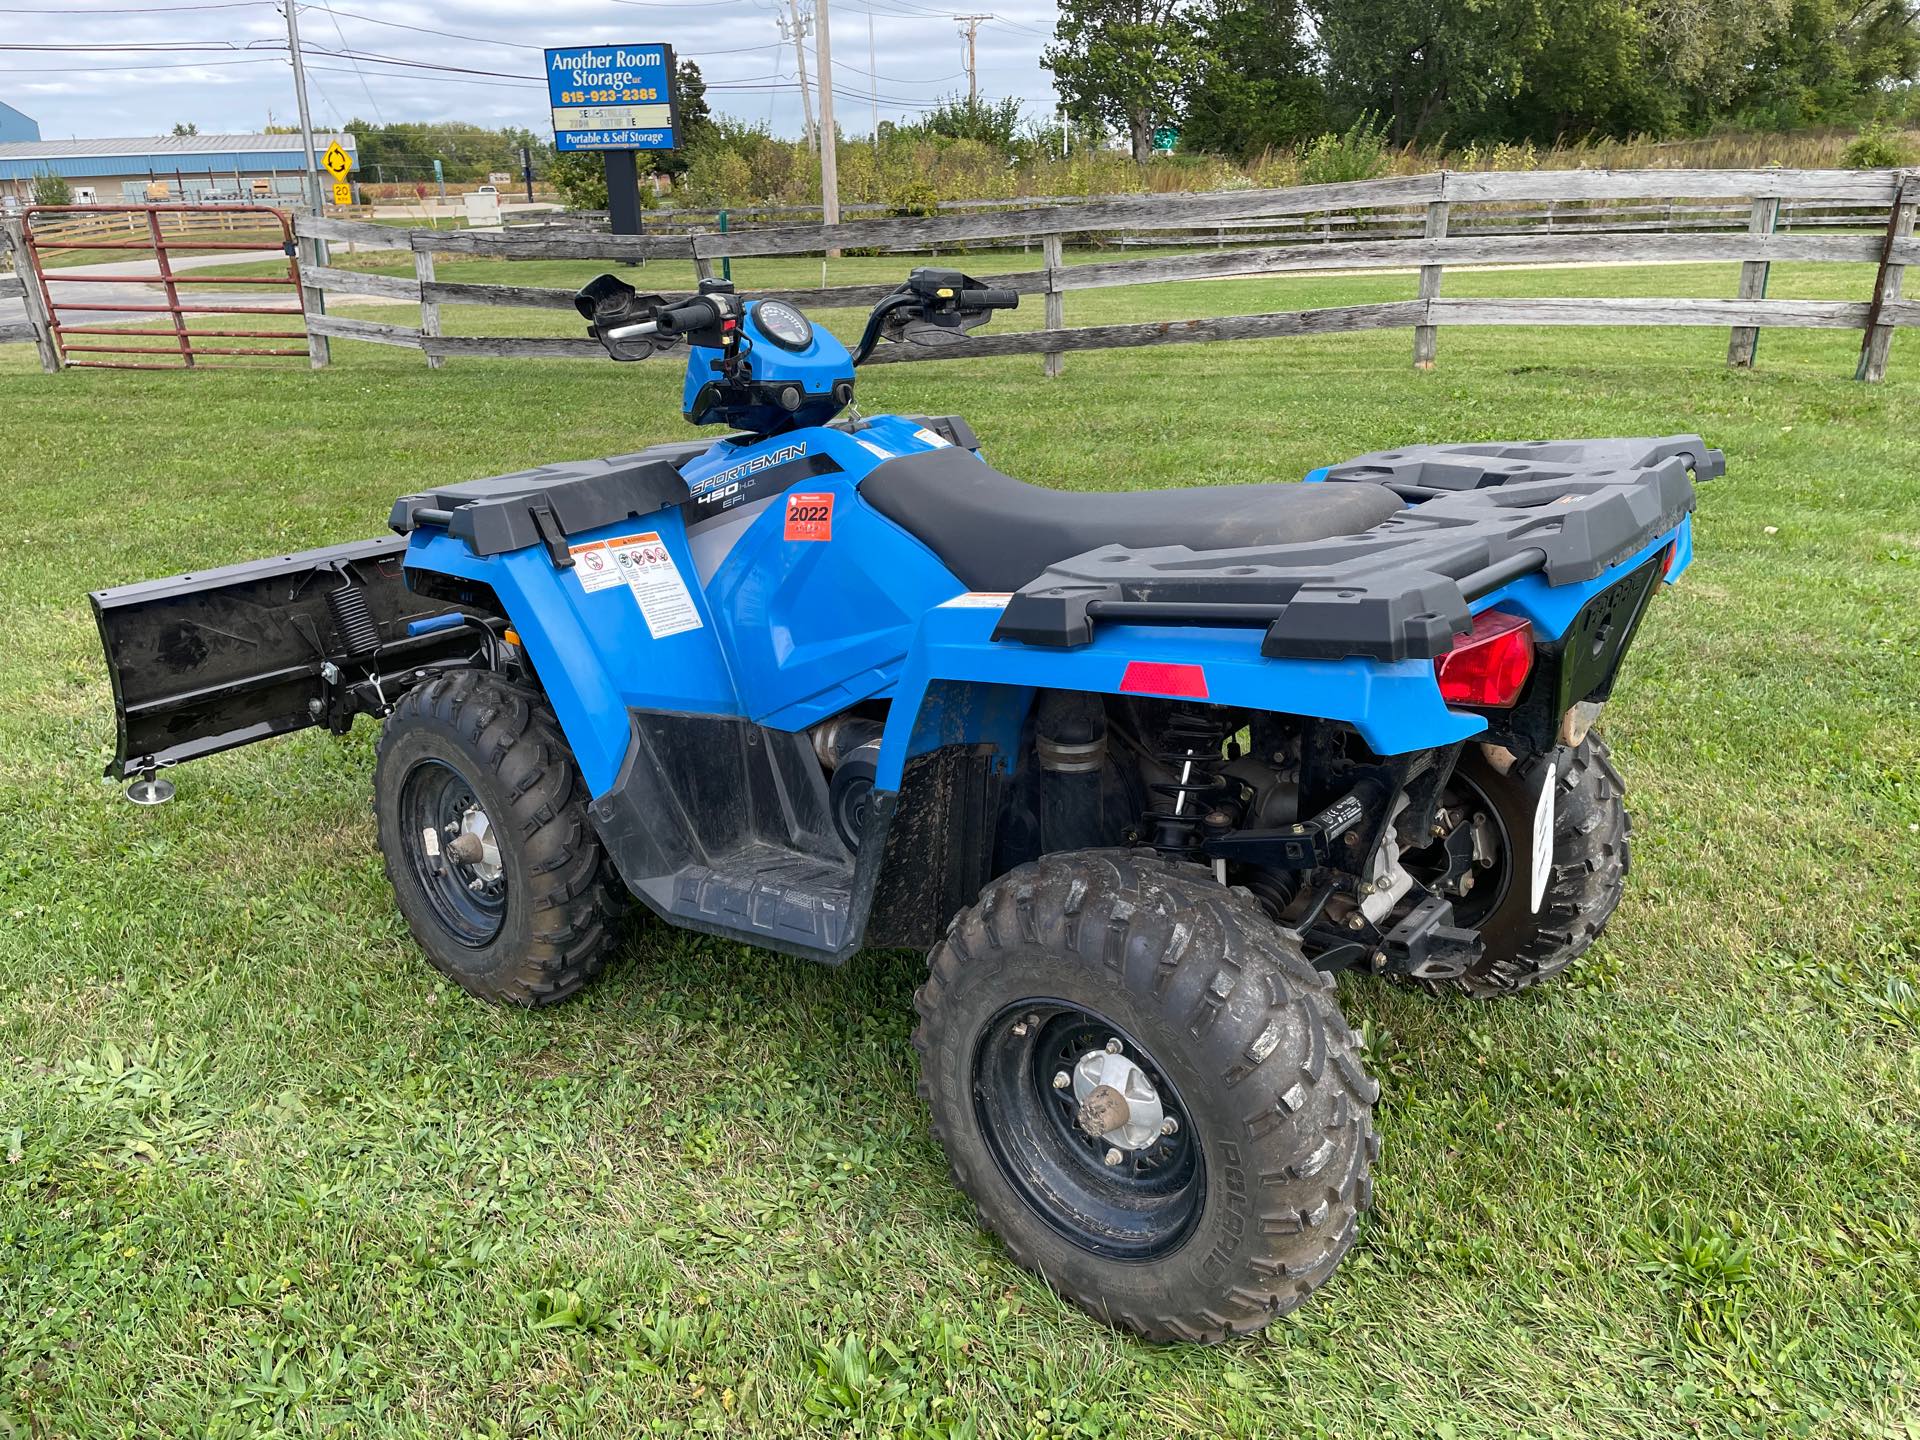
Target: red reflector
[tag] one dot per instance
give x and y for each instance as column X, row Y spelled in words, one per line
column 1487, row 666
column 1667, row 557
column 1157, row 677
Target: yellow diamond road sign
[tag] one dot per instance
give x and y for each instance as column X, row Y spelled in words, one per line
column 337, row 161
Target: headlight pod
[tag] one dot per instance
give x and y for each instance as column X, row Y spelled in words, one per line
column 783, row 324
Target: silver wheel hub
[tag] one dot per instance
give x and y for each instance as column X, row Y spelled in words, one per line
column 474, row 845
column 1115, row 1094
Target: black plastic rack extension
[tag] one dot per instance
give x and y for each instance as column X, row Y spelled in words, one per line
column 1478, row 517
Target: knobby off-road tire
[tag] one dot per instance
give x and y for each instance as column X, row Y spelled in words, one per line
column 1247, row 1046
column 1590, row 860
column 549, row 919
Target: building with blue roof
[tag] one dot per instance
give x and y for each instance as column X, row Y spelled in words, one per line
column 158, row 169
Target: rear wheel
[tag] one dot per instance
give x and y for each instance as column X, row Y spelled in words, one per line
column 1489, row 816
column 483, row 826
column 1147, row 1091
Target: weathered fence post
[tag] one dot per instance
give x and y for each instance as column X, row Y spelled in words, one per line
column 1426, row 338
column 1878, row 339
column 312, row 298
column 1745, row 339
column 429, row 309
column 13, row 240
column 1056, row 316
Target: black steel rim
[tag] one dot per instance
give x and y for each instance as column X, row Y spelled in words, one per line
column 437, row 796
column 1143, row 1208
column 1490, row 886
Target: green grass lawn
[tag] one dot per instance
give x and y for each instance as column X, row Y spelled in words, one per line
column 262, row 1172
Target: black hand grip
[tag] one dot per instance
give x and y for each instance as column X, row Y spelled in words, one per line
column 688, row 315
column 991, row 299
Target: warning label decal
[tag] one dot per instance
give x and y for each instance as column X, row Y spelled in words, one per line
column 645, row 566
column 809, row 515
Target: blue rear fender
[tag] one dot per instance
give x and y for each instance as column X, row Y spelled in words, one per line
column 959, row 685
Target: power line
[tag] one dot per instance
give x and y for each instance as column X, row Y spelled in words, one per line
column 492, row 84
column 421, row 29
column 356, row 66
column 72, row 13
column 176, row 65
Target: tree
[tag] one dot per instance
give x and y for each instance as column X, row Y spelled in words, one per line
column 581, row 178
column 1124, row 62
column 960, row 117
column 185, row 127
column 1430, row 67
column 694, row 121
column 51, row 189
column 1258, row 84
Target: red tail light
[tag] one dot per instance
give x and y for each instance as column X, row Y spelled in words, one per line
column 1667, row 557
column 1488, row 666
column 1156, row 677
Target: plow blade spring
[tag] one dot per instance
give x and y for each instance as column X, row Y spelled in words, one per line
column 219, row 658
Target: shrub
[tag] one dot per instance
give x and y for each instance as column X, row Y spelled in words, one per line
column 51, row 189
column 1358, row 153
column 581, row 178
column 1877, row 147
column 717, row 177
column 915, row 198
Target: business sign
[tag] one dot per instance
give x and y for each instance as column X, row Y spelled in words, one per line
column 612, row 97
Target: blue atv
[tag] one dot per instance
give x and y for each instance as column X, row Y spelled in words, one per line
column 1142, row 770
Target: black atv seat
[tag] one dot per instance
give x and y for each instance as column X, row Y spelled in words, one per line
column 997, row 533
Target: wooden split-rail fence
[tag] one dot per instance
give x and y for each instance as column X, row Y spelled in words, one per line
column 1420, row 223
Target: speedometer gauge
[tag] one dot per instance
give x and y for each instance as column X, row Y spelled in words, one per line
column 783, row 324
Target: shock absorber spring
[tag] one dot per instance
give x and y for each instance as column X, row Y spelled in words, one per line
column 1190, row 748
column 353, row 619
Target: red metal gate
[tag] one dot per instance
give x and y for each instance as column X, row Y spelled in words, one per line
column 158, row 231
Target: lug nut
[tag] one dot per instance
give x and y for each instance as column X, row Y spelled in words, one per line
column 1062, row 1080
column 1114, row 1157
column 1356, row 922
column 1019, row 1027
column 1169, row 1126
column 1466, row 883
column 1113, row 1045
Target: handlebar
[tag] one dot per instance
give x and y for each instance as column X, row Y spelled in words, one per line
column 994, row 299
column 687, row 315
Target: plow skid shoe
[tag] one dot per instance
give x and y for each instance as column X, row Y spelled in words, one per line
column 219, row 658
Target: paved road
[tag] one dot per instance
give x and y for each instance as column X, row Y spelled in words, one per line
column 13, row 312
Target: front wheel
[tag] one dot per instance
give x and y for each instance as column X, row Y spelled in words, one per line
column 483, row 824
column 1148, row 1092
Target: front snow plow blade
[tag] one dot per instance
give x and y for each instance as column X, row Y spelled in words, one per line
column 220, row 658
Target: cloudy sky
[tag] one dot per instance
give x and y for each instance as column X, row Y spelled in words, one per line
column 90, row 69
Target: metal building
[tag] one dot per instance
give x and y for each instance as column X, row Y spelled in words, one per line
column 15, row 126
column 166, row 169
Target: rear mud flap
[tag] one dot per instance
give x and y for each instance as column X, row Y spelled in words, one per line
column 220, row 658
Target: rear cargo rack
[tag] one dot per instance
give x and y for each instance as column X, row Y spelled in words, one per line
column 1482, row 517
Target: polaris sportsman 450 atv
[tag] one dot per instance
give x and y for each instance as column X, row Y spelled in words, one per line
column 1142, row 770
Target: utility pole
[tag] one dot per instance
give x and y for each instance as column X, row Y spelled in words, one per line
column 873, row 81
column 972, row 22
column 312, row 187
column 829, row 136
column 796, row 30
column 312, row 299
